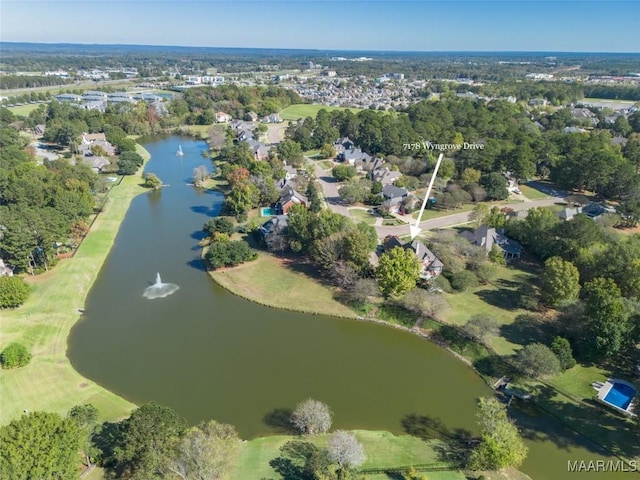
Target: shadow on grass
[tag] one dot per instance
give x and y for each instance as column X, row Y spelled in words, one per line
column 279, row 420
column 456, row 444
column 526, row 329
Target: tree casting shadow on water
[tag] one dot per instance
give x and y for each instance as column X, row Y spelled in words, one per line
column 280, row 420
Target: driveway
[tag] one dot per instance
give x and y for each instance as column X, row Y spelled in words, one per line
column 329, row 187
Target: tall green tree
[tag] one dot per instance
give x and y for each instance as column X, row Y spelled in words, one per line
column 39, row 445
column 145, row 440
column 398, row 272
column 86, row 420
column 560, row 282
column 608, row 330
column 501, row 445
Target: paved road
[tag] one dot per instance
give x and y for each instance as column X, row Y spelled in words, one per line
column 458, row 218
column 330, row 191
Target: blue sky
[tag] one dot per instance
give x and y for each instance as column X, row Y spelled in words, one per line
column 580, row 26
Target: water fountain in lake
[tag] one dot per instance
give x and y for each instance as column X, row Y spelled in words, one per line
column 159, row 289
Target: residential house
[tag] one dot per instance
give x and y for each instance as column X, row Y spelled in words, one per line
column 272, row 118
column 38, row 130
column 273, row 229
column 394, row 198
column 568, row 213
column 259, row 150
column 342, row 144
column 4, row 270
column 430, row 265
column 99, row 105
column 288, row 198
column 91, row 140
column 574, row 130
column 596, row 211
column 538, row 102
column 222, row 117
column 384, row 175
column 96, row 163
column 353, row 155
column 586, row 115
column 251, row 116
column 487, row 237
column 290, row 172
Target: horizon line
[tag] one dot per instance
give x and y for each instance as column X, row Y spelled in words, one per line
column 316, row 49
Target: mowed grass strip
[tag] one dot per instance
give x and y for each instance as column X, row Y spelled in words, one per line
column 43, row 324
column 383, row 450
column 532, row 193
column 24, row 110
column 264, row 279
column 304, row 110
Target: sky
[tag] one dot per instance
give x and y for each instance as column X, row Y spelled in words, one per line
column 478, row 25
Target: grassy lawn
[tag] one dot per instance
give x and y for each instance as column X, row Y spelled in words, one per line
column 429, row 214
column 24, row 110
column 497, row 299
column 43, row 323
column 199, row 130
column 383, row 450
column 264, row 279
column 304, row 110
column 532, row 193
column 362, row 216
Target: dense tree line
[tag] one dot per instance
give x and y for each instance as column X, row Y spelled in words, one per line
column 199, row 105
column 28, row 81
column 593, row 273
column 41, row 205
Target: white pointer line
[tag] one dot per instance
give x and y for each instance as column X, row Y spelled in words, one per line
column 415, row 229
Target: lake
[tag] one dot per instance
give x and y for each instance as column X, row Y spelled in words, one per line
column 209, row 354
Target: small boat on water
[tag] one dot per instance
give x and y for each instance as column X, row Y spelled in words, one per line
column 179, row 152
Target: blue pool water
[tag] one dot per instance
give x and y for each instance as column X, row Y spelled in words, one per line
column 620, row 395
column 267, row 212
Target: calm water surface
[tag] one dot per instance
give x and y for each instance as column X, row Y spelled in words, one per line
column 209, row 354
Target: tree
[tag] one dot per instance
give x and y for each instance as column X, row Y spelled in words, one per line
column 129, row 162
column 290, row 152
column 481, row 326
column 15, row 355
column 218, row 225
column 359, row 293
column 304, row 461
column 328, row 151
column 343, row 172
column 228, row 253
column 200, row 174
column 86, row 420
column 480, row 213
column 397, row 272
column 14, row 291
column 462, row 280
column 470, row 176
column 345, row 450
column 561, row 347
column 423, row 303
column 501, row 445
column 608, row 329
column 144, row 439
column 496, row 186
column 560, row 282
column 204, row 452
column 39, row 445
column 537, row 360
column 312, row 417
column 152, row 181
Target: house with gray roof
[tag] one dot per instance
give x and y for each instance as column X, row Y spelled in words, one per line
column 487, row 237
column 288, row 198
column 394, row 197
column 353, row 155
column 430, row 265
column 273, row 230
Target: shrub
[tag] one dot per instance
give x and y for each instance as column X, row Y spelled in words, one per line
column 562, row 349
column 14, row 356
column 537, row 360
column 463, row 280
column 229, row 253
column 13, row 291
column 151, row 180
column 218, row 224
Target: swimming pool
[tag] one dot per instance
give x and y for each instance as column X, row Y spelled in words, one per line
column 267, row 212
column 620, row 395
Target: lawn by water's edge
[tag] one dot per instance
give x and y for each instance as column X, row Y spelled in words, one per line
column 43, row 323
